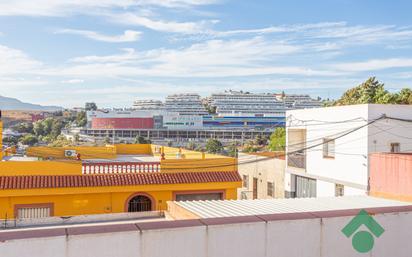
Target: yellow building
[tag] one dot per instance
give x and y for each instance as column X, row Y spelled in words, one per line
column 65, row 186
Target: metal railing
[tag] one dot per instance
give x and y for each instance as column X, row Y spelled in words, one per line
column 297, row 160
column 120, row 167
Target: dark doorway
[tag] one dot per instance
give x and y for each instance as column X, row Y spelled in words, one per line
column 140, row 203
column 255, row 188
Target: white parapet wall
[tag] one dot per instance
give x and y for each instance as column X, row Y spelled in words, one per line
column 281, row 235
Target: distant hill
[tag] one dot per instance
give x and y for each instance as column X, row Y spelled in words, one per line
column 7, row 103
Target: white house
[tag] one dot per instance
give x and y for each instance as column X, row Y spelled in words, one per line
column 328, row 148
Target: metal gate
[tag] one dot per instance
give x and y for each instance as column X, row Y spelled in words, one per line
column 140, row 203
column 33, row 213
column 305, row 187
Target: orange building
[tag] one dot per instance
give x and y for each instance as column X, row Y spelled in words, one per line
column 112, row 179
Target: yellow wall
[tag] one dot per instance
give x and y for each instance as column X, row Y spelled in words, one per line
column 172, row 152
column 86, row 152
column 197, row 165
column 1, row 140
column 20, row 168
column 99, row 200
column 133, row 149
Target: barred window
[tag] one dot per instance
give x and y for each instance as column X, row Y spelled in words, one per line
column 271, row 189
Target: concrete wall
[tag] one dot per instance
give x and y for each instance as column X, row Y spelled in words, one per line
column 294, row 235
column 265, row 169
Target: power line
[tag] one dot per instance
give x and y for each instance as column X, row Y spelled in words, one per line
column 302, row 149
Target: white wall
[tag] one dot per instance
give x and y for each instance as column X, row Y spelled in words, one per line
column 283, row 238
column 350, row 165
column 324, row 188
column 266, row 169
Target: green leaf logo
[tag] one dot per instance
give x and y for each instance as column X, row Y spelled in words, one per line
column 363, row 241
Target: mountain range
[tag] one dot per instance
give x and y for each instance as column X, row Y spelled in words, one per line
column 7, row 103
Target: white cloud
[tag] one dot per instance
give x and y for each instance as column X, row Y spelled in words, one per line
column 72, row 81
column 132, row 19
column 69, row 7
column 211, row 59
column 376, row 64
column 14, row 61
column 127, row 36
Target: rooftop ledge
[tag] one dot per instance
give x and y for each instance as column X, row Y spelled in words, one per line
column 71, row 230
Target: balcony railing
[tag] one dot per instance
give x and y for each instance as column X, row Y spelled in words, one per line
column 120, row 167
column 297, row 160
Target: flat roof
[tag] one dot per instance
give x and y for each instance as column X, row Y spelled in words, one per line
column 230, row 208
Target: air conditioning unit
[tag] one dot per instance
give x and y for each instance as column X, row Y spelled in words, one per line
column 70, row 153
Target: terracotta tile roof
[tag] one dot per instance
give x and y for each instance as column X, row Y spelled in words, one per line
column 32, row 182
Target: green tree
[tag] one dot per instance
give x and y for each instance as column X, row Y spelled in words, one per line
column 260, row 140
column 214, row 146
column 232, row 150
column 191, row 145
column 56, row 128
column 11, row 140
column 141, row 140
column 47, row 125
column 38, row 128
column 277, row 140
column 81, row 119
column 61, row 141
column 404, row 96
column 369, row 92
column 24, row 127
column 29, row 139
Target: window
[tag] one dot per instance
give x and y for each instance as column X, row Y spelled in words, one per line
column 198, row 197
column 395, row 147
column 339, row 190
column 33, row 211
column 140, row 203
column 245, row 181
column 328, row 148
column 271, row 189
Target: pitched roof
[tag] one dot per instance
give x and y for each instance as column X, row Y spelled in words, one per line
column 55, row 181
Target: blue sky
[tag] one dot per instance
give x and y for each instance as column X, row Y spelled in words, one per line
column 67, row 52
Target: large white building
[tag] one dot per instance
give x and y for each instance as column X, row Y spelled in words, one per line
column 328, row 148
column 147, row 104
column 185, row 104
column 234, row 103
column 296, row 101
column 240, row 103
